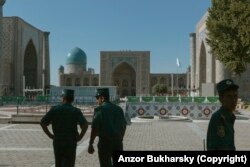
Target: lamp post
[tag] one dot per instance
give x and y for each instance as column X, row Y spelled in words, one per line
column 17, row 105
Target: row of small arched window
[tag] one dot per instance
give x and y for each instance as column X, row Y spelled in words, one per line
column 156, row 80
column 124, row 83
column 85, row 82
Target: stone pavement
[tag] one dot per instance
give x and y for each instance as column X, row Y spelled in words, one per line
column 25, row 145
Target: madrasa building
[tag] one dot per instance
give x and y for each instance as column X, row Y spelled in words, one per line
column 206, row 71
column 129, row 71
column 24, row 56
column 25, row 66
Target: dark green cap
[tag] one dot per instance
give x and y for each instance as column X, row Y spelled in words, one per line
column 226, row 85
column 68, row 93
column 102, row 92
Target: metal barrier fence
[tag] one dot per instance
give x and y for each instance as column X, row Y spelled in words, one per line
column 41, row 104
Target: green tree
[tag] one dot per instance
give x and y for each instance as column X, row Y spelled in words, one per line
column 160, row 89
column 228, row 26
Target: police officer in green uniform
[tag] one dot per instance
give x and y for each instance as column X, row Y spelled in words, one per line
column 110, row 125
column 220, row 133
column 64, row 119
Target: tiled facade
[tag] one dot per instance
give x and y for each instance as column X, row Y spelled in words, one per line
column 24, row 57
column 130, row 72
column 205, row 69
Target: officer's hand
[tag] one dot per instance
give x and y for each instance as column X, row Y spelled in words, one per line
column 78, row 137
column 91, row 149
column 51, row 136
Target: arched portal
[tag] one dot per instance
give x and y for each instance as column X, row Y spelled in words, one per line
column 203, row 64
column 126, row 76
column 30, row 66
column 181, row 82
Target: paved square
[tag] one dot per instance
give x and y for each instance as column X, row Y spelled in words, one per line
column 25, row 145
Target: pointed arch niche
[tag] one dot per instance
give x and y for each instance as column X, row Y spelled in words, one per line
column 203, row 64
column 30, row 66
column 124, row 77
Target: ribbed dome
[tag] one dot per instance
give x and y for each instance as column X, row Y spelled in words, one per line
column 76, row 56
column 61, row 68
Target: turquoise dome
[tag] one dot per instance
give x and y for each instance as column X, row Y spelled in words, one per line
column 76, row 56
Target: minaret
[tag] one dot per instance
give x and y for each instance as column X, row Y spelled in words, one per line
column 61, row 75
column 192, row 38
column 1, row 45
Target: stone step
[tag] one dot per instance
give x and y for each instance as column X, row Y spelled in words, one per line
column 32, row 118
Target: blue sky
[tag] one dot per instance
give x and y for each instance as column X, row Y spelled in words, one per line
column 159, row 26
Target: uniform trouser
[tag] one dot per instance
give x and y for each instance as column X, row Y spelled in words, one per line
column 106, row 149
column 65, row 153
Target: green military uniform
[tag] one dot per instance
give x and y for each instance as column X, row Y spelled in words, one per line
column 220, row 134
column 64, row 119
column 96, row 110
column 110, row 123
